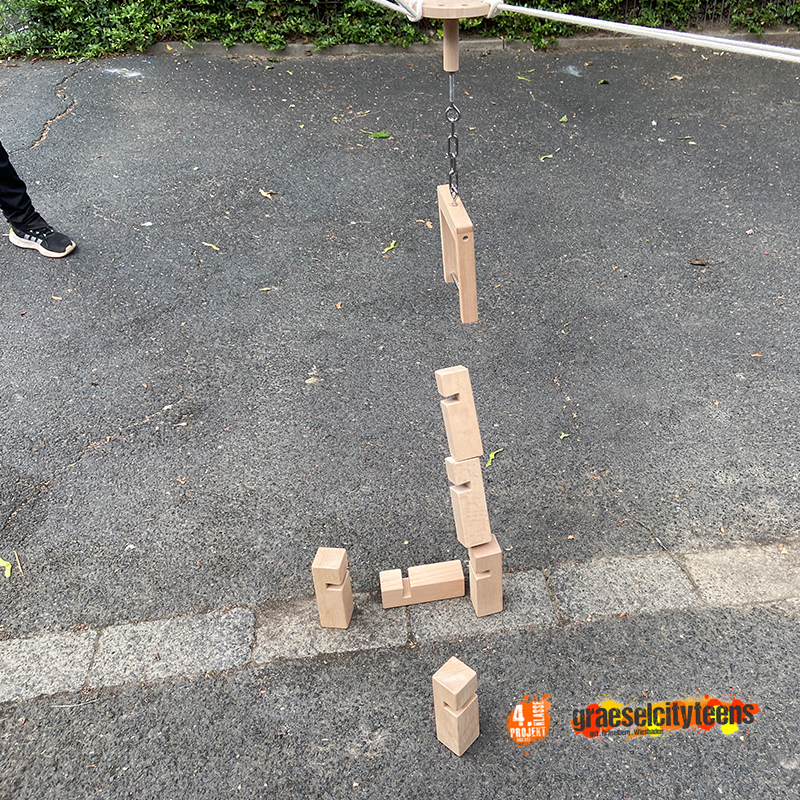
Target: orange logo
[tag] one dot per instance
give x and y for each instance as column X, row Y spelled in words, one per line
column 529, row 720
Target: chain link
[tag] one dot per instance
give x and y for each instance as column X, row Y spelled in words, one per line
column 453, row 115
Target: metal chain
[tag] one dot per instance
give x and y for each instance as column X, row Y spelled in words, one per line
column 453, row 115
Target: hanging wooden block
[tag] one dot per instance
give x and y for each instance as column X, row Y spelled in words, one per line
column 458, row 251
column 458, row 411
column 424, row 584
column 332, row 587
column 455, row 705
column 469, row 501
column 486, row 577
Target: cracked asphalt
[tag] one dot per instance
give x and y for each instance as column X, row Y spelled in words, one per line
column 233, row 370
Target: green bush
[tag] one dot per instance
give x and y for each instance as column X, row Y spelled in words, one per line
column 91, row 28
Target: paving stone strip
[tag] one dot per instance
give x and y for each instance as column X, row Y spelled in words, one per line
column 198, row 643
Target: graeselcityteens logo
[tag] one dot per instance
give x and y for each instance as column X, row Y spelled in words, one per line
column 609, row 718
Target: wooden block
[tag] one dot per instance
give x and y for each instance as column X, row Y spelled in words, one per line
column 450, row 45
column 469, row 501
column 424, row 584
column 330, row 565
column 486, row 578
column 454, row 9
column 458, row 410
column 395, row 589
column 332, row 587
column 486, row 557
column 458, row 251
column 455, row 683
column 455, row 705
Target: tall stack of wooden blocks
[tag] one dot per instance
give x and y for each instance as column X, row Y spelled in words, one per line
column 332, row 587
column 455, row 704
column 466, row 492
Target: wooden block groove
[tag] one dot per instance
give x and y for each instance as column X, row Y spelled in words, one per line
column 332, row 587
column 486, row 578
column 468, row 498
column 424, row 584
column 455, row 704
column 458, row 412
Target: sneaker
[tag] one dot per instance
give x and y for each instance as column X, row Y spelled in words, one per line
column 48, row 242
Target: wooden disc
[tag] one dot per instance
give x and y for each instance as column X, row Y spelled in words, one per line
column 453, row 9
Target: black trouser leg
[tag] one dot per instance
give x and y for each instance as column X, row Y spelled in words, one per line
column 15, row 203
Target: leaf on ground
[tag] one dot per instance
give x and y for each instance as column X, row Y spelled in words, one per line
column 212, row 246
column 564, row 435
column 338, row 305
column 757, row 355
column 390, row 247
column 563, row 119
column 523, row 78
column 6, row 566
column 266, row 192
column 676, row 77
column 266, row 288
column 56, row 298
column 269, row 66
column 377, row 134
column 698, row 262
column 493, row 454
column 602, row 81
column 542, row 158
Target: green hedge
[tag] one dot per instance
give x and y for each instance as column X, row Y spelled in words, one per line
column 90, row 28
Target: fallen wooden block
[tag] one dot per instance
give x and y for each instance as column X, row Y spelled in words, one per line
column 458, row 411
column 424, row 584
column 332, row 587
column 469, row 501
column 458, row 251
column 455, row 705
column 486, row 577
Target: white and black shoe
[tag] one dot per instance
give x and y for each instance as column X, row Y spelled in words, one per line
column 47, row 241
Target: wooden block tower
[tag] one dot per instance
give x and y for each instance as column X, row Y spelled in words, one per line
column 466, row 492
column 332, row 587
column 455, row 704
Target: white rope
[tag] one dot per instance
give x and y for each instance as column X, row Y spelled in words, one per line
column 494, row 8
column 717, row 43
column 412, row 9
column 390, row 6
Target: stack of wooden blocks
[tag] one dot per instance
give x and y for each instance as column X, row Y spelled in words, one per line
column 455, row 684
column 455, row 704
column 444, row 580
column 332, row 587
column 466, row 492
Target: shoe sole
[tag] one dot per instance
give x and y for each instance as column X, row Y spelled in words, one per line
column 29, row 245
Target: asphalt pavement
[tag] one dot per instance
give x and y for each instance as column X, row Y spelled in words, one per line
column 237, row 366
